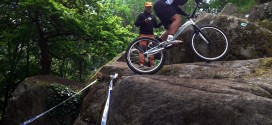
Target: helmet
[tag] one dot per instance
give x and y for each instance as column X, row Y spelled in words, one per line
column 198, row 1
column 148, row 4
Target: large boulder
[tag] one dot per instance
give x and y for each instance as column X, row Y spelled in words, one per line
column 40, row 93
column 93, row 103
column 227, row 92
column 262, row 1
column 260, row 12
column 92, row 106
column 152, row 100
column 247, row 39
column 231, row 10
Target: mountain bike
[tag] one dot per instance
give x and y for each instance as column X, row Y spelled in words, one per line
column 209, row 43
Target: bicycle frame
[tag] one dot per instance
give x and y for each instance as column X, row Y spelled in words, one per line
column 189, row 22
column 183, row 27
column 158, row 48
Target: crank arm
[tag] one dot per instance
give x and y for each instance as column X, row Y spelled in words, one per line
column 154, row 51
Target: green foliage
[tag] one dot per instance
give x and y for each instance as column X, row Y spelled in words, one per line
column 59, row 93
column 129, row 10
column 81, row 37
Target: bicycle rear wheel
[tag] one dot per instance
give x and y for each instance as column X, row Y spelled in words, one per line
column 217, row 46
column 142, row 63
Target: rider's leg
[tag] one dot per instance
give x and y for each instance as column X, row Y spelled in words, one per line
column 151, row 58
column 176, row 21
column 142, row 45
column 164, row 36
column 172, row 28
column 165, row 13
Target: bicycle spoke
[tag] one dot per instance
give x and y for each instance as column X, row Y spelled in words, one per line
column 137, row 47
column 139, row 62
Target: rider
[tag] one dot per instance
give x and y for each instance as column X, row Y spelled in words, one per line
column 168, row 12
column 146, row 21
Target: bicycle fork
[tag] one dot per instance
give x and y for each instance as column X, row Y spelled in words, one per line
column 201, row 34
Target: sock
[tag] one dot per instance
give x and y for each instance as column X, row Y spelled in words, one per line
column 170, row 37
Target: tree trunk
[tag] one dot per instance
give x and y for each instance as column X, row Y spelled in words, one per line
column 6, row 97
column 45, row 60
column 27, row 58
column 62, row 67
column 80, row 70
column 43, row 45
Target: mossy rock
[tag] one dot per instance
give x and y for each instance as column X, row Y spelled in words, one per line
column 263, row 1
column 265, row 66
column 267, row 24
column 31, row 96
column 260, row 12
column 57, row 94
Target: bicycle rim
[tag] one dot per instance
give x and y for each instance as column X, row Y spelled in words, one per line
column 135, row 57
column 216, row 49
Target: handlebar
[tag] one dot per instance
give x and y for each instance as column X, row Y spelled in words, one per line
column 192, row 15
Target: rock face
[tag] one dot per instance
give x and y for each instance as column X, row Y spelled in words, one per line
column 230, row 9
column 232, row 92
column 29, row 100
column 93, row 105
column 150, row 100
column 247, row 40
column 260, row 12
column 263, row 1
column 94, row 101
column 227, row 92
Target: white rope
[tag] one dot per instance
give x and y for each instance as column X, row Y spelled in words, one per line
column 40, row 115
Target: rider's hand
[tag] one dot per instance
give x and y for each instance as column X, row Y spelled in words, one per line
column 148, row 20
column 188, row 15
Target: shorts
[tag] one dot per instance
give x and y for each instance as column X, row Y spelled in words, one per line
column 164, row 12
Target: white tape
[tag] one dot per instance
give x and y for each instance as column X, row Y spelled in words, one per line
column 107, row 105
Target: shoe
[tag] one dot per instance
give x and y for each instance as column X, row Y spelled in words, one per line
column 171, row 40
column 141, row 65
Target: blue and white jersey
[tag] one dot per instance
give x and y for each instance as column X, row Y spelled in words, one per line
column 169, row 1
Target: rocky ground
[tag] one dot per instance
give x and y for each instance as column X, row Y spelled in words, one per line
column 232, row 92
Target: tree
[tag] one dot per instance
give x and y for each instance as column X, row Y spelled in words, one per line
column 58, row 37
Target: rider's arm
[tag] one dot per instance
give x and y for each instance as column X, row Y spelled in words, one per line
column 140, row 21
column 178, row 5
column 181, row 12
column 156, row 25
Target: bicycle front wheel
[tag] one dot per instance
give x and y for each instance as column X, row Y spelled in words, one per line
column 215, row 47
column 141, row 62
